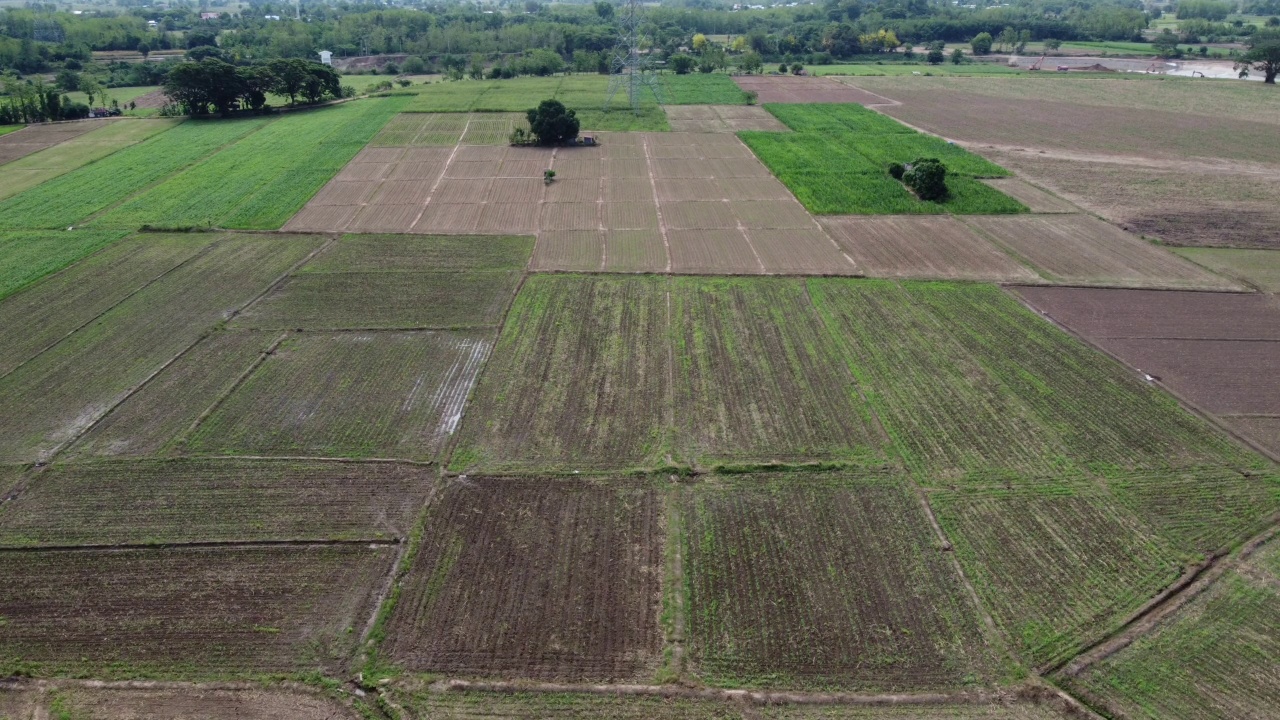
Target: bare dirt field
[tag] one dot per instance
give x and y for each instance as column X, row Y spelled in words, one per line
column 1081, row 249
column 793, row 89
column 183, row 702
column 1227, row 377
column 721, row 118
column 923, row 247
column 1033, row 197
column 35, row 138
column 1159, row 314
column 534, row 578
column 266, row 609
column 1265, row 431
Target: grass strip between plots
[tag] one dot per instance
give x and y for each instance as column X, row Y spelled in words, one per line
column 836, row 162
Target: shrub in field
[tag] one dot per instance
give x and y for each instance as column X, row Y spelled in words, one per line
column 928, row 178
column 551, row 122
column 897, row 170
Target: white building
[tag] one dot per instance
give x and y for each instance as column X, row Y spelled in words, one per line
column 326, row 57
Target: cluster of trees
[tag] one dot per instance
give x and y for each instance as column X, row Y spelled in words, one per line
column 213, row 85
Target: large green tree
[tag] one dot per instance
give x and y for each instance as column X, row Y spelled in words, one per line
column 1263, row 56
column 551, row 123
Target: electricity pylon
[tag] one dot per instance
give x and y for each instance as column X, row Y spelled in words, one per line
column 629, row 69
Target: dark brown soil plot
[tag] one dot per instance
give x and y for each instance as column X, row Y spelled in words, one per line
column 922, row 247
column 375, row 394
column 1159, row 314
column 1220, row 376
column 35, row 138
column 424, row 703
column 579, row 379
column 190, row 703
column 43, row 314
column 758, row 378
column 422, row 253
column 151, row 419
column 828, row 581
column 149, row 501
column 198, row 611
column 536, row 579
column 385, row 300
column 792, row 89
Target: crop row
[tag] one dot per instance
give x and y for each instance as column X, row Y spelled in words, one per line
column 28, row 255
column 47, row 164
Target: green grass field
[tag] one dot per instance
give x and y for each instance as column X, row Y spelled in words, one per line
column 836, row 162
column 27, row 256
column 6, row 129
column 30, row 171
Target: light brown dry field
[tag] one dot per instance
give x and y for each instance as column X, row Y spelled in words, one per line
column 1083, row 250
column 35, row 138
column 640, row 202
column 794, row 89
column 1033, row 197
column 923, row 247
column 1188, row 162
column 722, row 118
column 178, row 702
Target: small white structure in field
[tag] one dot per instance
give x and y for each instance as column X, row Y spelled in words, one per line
column 326, row 57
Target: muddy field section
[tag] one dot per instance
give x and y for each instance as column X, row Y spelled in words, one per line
column 791, row 89
column 1219, row 351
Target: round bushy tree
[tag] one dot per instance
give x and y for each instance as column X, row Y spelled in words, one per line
column 552, row 123
column 928, row 178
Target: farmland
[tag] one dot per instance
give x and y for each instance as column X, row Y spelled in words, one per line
column 779, row 569
column 21, row 142
column 570, row 578
column 27, row 256
column 80, row 150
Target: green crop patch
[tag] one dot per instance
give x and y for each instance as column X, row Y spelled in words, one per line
column 262, row 180
column 584, row 94
column 166, row 501
column 758, row 378
column 824, row 581
column 155, row 419
column 375, row 394
column 72, row 198
column 191, row 613
column 700, row 89
column 43, row 314
column 836, row 162
column 422, row 253
column 579, row 379
column 569, row 570
column 48, row 402
column 384, row 300
column 1058, row 567
column 518, row 705
column 1215, row 658
column 62, row 158
column 27, row 256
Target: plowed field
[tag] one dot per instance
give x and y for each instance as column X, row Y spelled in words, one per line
column 922, row 247
column 787, row 89
column 534, row 578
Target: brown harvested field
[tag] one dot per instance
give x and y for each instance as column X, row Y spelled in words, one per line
column 35, row 138
column 322, row 218
column 721, row 118
column 800, row 251
column 421, row 129
column 699, row 252
column 1259, row 268
column 535, row 578
column 772, row 214
column 175, row 703
column 374, row 394
column 402, row 192
column 690, row 215
column 1083, row 249
column 572, row 250
column 356, row 192
column 570, row 216
column 793, row 89
column 384, row 219
column 579, row 379
column 1037, row 200
column 922, row 247
column 629, row 216
column 1265, row 431
column 166, row 501
column 1225, row 377
column 759, row 379
column 1159, row 314
column 166, row 408
column 447, row 219
column 826, row 581
column 208, row 612
column 634, row 251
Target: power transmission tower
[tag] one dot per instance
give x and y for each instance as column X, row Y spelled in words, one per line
column 629, row 69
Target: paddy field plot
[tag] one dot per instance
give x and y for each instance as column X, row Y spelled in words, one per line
column 205, row 501
column 721, row 118
column 125, row 703
column 1216, row 657
column 29, row 171
column 422, row 253
column 922, row 247
column 262, row 180
column 536, row 578
column 1259, row 268
column 759, row 378
column 1081, row 249
column 27, row 256
column 1036, row 200
column 76, row 196
column 579, row 378
column 34, row 138
column 824, row 581
column 804, row 90
column 354, row 394
column 198, row 612
column 50, row 400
